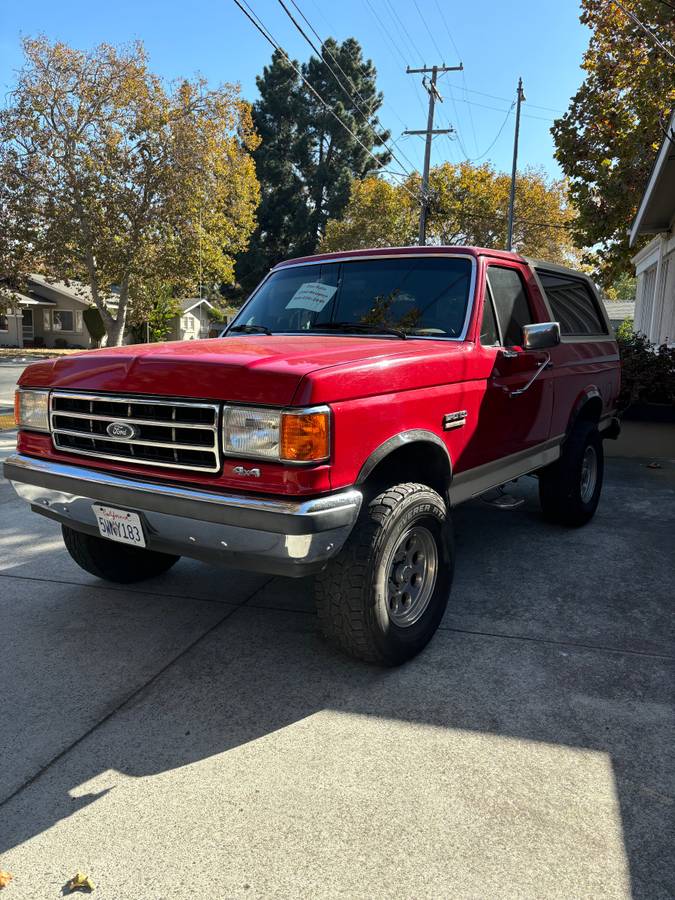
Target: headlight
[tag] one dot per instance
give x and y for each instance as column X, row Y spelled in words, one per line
column 31, row 409
column 297, row 436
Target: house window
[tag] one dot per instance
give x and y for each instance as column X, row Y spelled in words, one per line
column 66, row 320
column 4, row 324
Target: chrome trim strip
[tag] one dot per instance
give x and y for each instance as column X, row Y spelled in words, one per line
column 480, row 479
column 146, row 399
column 167, row 423
column 135, row 460
column 207, row 448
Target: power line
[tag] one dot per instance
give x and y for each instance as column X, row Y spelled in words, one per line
column 644, row 27
column 359, row 63
column 397, row 49
column 499, row 134
column 345, row 91
column 497, row 109
column 429, row 31
column 404, row 31
column 252, row 17
column 507, row 100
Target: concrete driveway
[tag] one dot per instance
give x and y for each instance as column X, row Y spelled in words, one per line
column 192, row 736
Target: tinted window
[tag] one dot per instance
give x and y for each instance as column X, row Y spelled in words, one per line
column 572, row 304
column 489, row 334
column 510, row 300
column 425, row 296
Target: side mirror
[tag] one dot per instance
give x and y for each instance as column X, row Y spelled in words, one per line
column 541, row 335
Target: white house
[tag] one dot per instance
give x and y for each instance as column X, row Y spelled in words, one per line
column 194, row 321
column 655, row 263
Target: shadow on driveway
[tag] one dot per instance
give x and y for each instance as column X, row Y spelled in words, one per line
column 560, row 639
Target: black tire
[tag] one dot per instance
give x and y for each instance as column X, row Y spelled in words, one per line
column 112, row 561
column 353, row 592
column 565, row 496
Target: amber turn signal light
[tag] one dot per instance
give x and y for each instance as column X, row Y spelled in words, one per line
column 305, row 437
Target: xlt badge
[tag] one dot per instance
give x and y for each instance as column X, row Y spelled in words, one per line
column 454, row 420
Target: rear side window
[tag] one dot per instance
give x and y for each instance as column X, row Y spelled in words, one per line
column 510, row 303
column 572, row 304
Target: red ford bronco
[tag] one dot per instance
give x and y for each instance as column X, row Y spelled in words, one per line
column 351, row 404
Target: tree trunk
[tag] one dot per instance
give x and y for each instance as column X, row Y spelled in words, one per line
column 115, row 332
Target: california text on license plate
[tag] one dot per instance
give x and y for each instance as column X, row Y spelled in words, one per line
column 119, row 525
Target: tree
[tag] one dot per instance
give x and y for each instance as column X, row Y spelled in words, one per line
column 113, row 180
column 469, row 205
column 307, row 158
column 607, row 140
column 282, row 215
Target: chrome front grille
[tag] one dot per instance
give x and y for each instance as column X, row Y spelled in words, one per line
column 176, row 434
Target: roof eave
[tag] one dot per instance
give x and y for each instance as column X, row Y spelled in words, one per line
column 641, row 225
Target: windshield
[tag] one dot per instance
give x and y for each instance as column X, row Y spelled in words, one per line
column 425, row 296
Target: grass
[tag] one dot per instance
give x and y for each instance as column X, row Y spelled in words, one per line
column 34, row 352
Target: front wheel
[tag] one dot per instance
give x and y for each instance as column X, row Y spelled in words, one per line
column 569, row 490
column 383, row 597
column 112, row 561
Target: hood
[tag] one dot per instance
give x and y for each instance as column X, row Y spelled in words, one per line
column 265, row 369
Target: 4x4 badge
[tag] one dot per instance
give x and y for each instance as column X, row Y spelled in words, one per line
column 248, row 473
column 454, row 420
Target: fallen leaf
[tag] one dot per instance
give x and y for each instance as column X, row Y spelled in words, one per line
column 5, row 878
column 80, row 882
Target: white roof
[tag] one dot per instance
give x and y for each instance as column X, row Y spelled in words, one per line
column 656, row 212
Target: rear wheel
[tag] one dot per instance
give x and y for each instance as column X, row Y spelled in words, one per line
column 383, row 597
column 112, row 561
column 569, row 490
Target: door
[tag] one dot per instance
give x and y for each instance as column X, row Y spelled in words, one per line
column 27, row 330
column 513, row 422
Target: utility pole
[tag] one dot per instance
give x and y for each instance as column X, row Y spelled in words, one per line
column 512, row 199
column 429, row 132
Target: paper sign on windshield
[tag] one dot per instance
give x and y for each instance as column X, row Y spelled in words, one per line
column 312, row 296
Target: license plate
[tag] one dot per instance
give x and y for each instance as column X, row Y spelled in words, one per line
column 119, row 525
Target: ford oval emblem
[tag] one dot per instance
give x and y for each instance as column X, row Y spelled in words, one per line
column 122, row 430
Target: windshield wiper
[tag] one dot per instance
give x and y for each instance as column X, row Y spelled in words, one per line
column 362, row 327
column 250, row 329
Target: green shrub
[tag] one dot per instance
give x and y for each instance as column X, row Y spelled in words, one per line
column 647, row 371
column 94, row 322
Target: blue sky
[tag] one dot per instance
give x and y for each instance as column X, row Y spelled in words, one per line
column 496, row 41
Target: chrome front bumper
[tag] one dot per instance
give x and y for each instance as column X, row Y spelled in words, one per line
column 282, row 537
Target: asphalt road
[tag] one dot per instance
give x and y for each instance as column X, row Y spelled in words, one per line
column 193, row 736
column 9, row 375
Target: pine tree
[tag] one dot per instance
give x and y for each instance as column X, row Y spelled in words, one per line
column 306, row 159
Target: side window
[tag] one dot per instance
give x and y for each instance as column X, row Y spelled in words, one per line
column 511, row 305
column 572, row 304
column 489, row 333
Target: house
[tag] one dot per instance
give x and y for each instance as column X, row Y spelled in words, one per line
column 194, row 321
column 47, row 314
column 618, row 311
column 655, row 263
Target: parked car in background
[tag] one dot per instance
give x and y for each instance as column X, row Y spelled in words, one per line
column 352, row 403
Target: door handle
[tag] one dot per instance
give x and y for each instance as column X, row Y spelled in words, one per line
column 541, row 366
